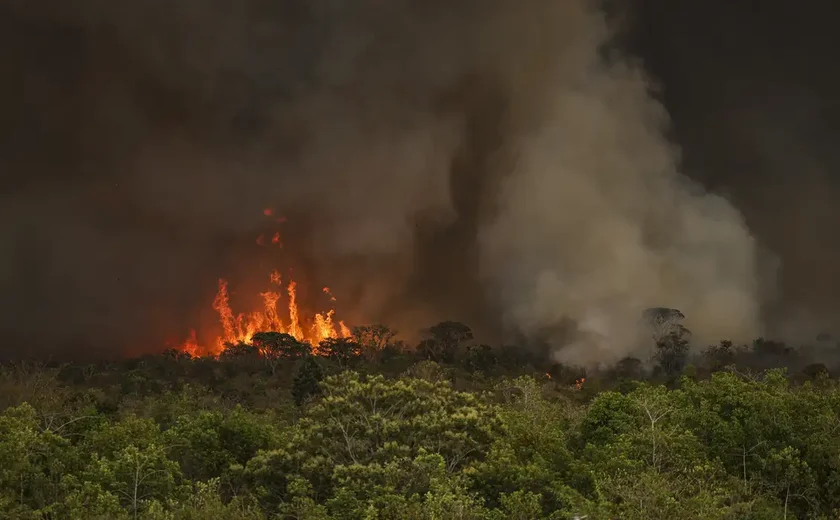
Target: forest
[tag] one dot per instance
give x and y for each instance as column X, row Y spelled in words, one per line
column 368, row 427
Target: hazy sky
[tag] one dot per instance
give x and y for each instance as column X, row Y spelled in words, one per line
column 752, row 89
column 142, row 139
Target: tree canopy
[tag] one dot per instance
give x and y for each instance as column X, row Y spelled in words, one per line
column 451, row 429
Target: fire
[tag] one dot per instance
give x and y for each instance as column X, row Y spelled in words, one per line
column 240, row 328
column 275, row 239
column 344, row 330
column 579, row 383
column 191, row 346
column 294, row 326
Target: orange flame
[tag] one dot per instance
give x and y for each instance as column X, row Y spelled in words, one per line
column 191, row 346
column 344, row 330
column 294, row 327
column 579, row 383
column 238, row 328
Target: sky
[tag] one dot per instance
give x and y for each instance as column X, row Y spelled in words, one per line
column 752, row 92
column 512, row 166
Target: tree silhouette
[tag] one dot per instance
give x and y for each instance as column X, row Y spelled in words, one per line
column 238, row 350
column 444, row 340
column 342, row 350
column 481, row 357
column 373, row 339
column 670, row 337
column 277, row 345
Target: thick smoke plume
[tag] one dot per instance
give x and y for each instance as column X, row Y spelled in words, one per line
column 477, row 160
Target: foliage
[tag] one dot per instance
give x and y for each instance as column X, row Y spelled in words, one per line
column 364, row 428
column 307, row 380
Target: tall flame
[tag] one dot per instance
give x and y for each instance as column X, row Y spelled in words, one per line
column 240, row 328
column 294, row 327
column 191, row 346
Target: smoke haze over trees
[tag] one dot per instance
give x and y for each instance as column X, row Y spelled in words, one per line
column 512, row 167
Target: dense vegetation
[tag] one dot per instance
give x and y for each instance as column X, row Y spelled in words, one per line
column 370, row 429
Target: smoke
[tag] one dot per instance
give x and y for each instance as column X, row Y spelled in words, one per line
column 764, row 139
column 596, row 223
column 472, row 160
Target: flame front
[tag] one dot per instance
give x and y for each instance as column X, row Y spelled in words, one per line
column 191, row 346
column 240, row 328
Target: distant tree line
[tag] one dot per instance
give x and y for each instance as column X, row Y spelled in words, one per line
column 368, row 427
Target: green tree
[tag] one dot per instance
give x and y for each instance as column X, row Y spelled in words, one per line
column 32, row 463
column 130, row 460
column 530, row 471
column 203, row 503
column 363, row 434
column 307, row 380
column 89, row 500
column 208, row 444
column 136, row 475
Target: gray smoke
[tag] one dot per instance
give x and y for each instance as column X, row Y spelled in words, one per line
column 582, row 212
column 597, row 223
column 477, row 160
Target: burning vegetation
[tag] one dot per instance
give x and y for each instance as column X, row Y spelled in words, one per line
column 280, row 314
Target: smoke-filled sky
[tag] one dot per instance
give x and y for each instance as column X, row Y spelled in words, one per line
column 515, row 165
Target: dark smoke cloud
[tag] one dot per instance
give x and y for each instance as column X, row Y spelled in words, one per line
column 470, row 160
column 755, row 107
